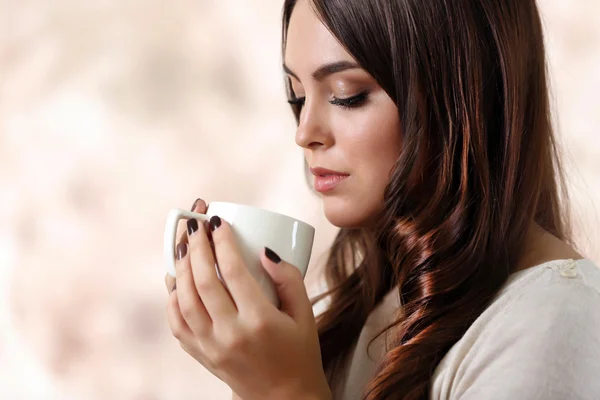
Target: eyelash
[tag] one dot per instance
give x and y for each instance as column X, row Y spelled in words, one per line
column 347, row 103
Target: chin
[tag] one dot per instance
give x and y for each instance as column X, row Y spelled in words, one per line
column 345, row 214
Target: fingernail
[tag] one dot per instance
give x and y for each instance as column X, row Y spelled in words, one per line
column 271, row 255
column 192, row 226
column 181, row 250
column 215, row 222
column 195, row 204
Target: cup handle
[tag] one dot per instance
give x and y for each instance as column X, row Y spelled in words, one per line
column 171, row 234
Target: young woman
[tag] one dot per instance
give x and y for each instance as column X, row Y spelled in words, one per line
column 427, row 127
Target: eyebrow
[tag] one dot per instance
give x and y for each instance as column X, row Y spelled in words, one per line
column 326, row 69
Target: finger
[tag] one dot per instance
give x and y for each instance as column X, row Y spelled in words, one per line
column 199, row 207
column 241, row 284
column 190, row 304
column 213, row 294
column 169, row 282
column 289, row 284
column 179, row 328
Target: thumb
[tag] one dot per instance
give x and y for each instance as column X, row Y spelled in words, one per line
column 289, row 285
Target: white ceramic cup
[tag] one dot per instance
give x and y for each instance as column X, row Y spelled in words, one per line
column 253, row 229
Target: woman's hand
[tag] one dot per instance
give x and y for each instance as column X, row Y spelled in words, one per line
column 199, row 207
column 260, row 351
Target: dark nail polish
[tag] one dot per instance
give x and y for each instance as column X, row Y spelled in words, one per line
column 195, row 204
column 181, row 250
column 271, row 255
column 192, row 226
column 215, row 222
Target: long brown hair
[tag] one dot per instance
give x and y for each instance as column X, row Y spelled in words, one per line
column 478, row 165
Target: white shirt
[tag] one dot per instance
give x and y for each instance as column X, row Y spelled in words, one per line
column 539, row 339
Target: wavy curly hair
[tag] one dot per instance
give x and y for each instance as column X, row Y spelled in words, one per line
column 479, row 163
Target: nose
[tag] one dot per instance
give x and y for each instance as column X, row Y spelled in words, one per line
column 313, row 127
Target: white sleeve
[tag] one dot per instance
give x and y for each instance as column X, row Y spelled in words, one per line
column 545, row 346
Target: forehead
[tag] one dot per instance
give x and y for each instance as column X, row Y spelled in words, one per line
column 309, row 42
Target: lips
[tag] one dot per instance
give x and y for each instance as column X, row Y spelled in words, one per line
column 319, row 171
column 326, row 179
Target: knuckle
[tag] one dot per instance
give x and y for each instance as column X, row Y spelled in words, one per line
column 234, row 342
column 259, row 326
column 187, row 311
column 228, row 269
column 204, row 284
column 177, row 330
column 177, row 333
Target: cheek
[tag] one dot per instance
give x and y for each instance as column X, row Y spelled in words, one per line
column 375, row 144
column 371, row 147
column 378, row 155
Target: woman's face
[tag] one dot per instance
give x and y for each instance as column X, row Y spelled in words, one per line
column 347, row 124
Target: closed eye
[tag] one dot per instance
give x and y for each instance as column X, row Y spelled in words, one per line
column 349, row 102
column 297, row 101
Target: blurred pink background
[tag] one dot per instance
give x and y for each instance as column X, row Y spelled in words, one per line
column 113, row 112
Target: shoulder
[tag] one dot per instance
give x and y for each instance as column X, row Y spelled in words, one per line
column 539, row 338
column 551, row 292
column 545, row 295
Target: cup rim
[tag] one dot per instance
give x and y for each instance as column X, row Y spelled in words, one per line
column 263, row 210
